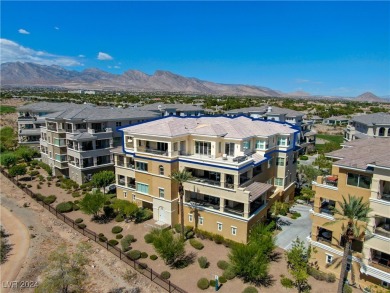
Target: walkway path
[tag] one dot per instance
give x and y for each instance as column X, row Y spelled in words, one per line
column 291, row 229
column 20, row 240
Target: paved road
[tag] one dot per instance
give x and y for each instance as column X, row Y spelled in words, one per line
column 291, row 229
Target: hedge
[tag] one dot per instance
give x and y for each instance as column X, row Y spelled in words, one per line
column 126, row 241
column 196, row 244
column 118, row 236
column 165, row 275
column 144, row 255
column 222, row 264
column 148, row 238
column 304, row 158
column 250, row 289
column 321, row 276
column 286, row 282
column 113, row 242
column 116, row 229
column 203, row 284
column 134, row 254
column 102, row 238
column 64, row 207
column 222, row 279
column 82, row 226
column 49, row 199
column 229, row 273
column 203, row 262
column 153, row 257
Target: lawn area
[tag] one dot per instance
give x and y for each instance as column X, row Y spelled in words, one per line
column 7, row 109
column 331, row 138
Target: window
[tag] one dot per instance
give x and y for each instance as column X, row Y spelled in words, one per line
column 359, row 180
column 270, row 162
column 219, row 226
column 229, row 149
column 202, row 148
column 385, row 284
column 161, row 170
column 200, row 220
column 133, row 196
column 283, row 141
column 118, row 124
column 234, row 230
column 280, row 161
column 329, row 259
column 61, row 158
column 143, row 188
column 190, row 216
column 279, row 181
column 161, row 192
column 141, row 166
column 261, row 145
column 125, row 194
column 348, row 268
column 246, row 145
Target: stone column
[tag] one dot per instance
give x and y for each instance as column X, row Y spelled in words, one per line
column 246, row 210
column 221, row 204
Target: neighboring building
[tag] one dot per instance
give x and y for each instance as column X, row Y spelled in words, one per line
column 240, row 167
column 371, row 125
column 307, row 137
column 173, row 109
column 361, row 168
column 76, row 142
column 335, row 120
column 31, row 118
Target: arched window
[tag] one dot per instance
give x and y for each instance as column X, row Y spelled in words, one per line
column 161, row 170
column 381, row 131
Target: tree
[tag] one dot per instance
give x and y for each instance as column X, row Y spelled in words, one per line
column 8, row 160
column 8, row 138
column 181, row 177
column 307, row 193
column 322, row 162
column 102, row 179
column 17, row 170
column 170, row 248
column 66, row 272
column 353, row 213
column 297, row 264
column 92, row 203
column 26, row 153
column 125, row 207
column 309, row 172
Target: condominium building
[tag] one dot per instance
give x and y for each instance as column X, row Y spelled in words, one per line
column 76, row 142
column 31, row 118
column 371, row 125
column 173, row 109
column 240, row 166
column 362, row 169
column 307, row 136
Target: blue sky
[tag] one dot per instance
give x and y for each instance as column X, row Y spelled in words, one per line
column 331, row 48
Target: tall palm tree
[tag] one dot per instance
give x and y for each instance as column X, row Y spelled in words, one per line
column 355, row 213
column 181, row 177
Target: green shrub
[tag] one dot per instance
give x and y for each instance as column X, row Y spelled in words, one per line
column 177, row 228
column 165, row 275
column 250, row 289
column 50, row 199
column 218, row 239
column 102, row 238
column 116, row 229
column 148, row 238
column 40, row 197
column 304, row 158
column 331, row 278
column 286, row 282
column 79, row 220
column 126, row 241
column 101, row 235
column 75, row 207
column 29, row 185
column 142, row 266
column 119, row 218
column 222, row 264
column 39, row 187
column 295, row 215
column 222, row 279
column 153, row 257
column 134, row 254
column 82, row 226
column 347, row 289
column 143, row 215
column 64, row 207
column 203, row 262
column 144, row 255
column 113, row 242
column 229, row 273
column 196, row 244
column 34, row 173
column 321, row 276
column 118, row 236
column 76, row 194
column 203, row 284
column 190, row 234
column 212, row 283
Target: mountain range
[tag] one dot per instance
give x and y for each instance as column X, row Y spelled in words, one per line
column 18, row 74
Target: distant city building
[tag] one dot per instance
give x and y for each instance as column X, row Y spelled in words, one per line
column 307, row 136
column 240, row 166
column 361, row 169
column 173, row 109
column 371, row 125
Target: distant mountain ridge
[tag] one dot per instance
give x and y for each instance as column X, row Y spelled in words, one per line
column 30, row 74
column 368, row 97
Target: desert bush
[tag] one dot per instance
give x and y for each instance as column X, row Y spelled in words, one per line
column 222, row 264
column 134, row 254
column 218, row 238
column 34, row 173
column 76, row 194
column 153, row 257
column 165, row 275
column 49, row 199
column 196, row 244
column 126, row 241
column 119, row 218
column 148, row 238
column 39, row 186
column 331, row 278
column 212, row 283
column 304, row 158
column 103, row 238
column 118, row 236
column 203, row 284
column 113, row 242
column 286, row 282
column 250, row 289
column 40, row 197
column 203, row 262
column 222, row 279
column 295, row 215
column 142, row 266
column 80, row 220
column 64, row 207
column 143, row 215
column 116, row 229
column 347, row 289
column 82, row 226
column 321, row 276
column 229, row 273
column 144, row 255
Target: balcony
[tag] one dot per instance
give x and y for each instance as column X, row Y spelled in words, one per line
column 206, row 181
column 237, row 209
column 324, row 235
column 208, row 201
column 229, row 185
column 380, row 261
column 382, row 229
column 331, row 180
column 384, row 196
column 256, row 205
column 327, row 207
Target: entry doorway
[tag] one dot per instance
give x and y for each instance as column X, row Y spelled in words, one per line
column 161, row 214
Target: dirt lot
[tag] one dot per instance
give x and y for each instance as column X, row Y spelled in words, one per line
column 10, row 119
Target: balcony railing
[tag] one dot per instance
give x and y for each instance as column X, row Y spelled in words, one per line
column 384, row 196
column 131, row 185
column 202, row 203
column 206, row 181
column 235, row 211
column 130, row 165
column 326, row 210
column 330, row 180
column 380, row 230
column 381, row 263
column 229, row 185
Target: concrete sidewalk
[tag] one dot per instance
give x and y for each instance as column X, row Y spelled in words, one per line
column 291, row 229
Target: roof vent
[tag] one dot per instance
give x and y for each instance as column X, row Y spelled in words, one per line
column 269, row 109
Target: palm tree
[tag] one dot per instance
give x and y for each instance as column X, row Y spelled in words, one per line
column 181, row 177
column 355, row 212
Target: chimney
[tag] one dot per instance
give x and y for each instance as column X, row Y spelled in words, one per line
column 269, row 109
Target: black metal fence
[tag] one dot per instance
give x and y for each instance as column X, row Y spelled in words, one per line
column 139, row 267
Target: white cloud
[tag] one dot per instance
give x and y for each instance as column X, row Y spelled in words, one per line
column 13, row 52
column 301, row 80
column 104, row 56
column 81, row 56
column 56, row 28
column 23, row 31
column 117, row 67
